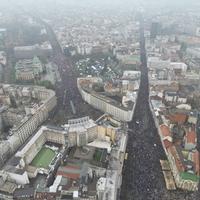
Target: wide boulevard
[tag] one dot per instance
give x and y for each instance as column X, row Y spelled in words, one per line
column 142, row 175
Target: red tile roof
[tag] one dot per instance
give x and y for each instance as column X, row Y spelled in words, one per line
column 46, row 195
column 68, row 175
column 165, row 130
column 191, row 137
column 72, row 167
column 179, row 118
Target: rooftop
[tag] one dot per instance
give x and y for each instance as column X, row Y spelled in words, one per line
column 165, row 130
column 178, row 161
column 179, row 118
column 24, row 192
column 191, row 137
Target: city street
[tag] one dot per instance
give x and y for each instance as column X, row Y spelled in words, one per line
column 67, row 90
column 142, row 175
column 100, row 99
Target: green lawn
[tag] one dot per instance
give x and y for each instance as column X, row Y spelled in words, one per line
column 43, row 158
column 189, row 176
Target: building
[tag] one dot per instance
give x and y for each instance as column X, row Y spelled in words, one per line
column 28, row 69
column 120, row 109
column 3, row 59
column 86, row 165
column 193, row 52
column 175, row 97
column 158, row 63
column 28, row 52
column 155, row 29
column 179, row 142
column 190, row 140
column 21, row 130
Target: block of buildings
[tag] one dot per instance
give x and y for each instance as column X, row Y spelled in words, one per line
column 176, row 128
column 76, row 154
column 28, row 52
column 28, row 69
column 116, row 98
column 23, row 109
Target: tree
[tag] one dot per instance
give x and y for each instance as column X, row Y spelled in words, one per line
column 183, row 47
column 47, row 84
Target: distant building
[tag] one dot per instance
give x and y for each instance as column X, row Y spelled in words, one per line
column 27, row 52
column 3, row 59
column 198, row 31
column 3, row 32
column 28, row 69
column 156, row 62
column 155, row 29
column 194, row 52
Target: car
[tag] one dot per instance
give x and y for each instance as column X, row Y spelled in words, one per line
column 137, row 122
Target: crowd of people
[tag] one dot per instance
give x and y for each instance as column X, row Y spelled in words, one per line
column 142, row 175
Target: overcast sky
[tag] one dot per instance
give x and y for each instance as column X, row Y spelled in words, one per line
column 108, row 3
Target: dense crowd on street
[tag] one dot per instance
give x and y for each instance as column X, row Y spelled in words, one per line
column 142, row 175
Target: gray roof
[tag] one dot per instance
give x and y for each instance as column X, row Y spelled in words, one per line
column 24, row 192
column 13, row 169
column 14, row 161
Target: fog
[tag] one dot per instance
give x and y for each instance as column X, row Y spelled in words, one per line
column 182, row 3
